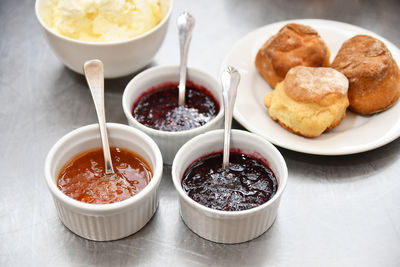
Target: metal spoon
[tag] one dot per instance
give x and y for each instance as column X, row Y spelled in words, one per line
column 185, row 23
column 230, row 78
column 95, row 78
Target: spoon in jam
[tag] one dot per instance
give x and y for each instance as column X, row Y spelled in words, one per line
column 230, row 78
column 185, row 23
column 95, row 78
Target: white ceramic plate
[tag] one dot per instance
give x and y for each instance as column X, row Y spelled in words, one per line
column 355, row 134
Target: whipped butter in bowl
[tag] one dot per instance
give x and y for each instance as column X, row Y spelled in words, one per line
column 124, row 34
column 103, row 20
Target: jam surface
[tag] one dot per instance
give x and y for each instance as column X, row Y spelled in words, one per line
column 246, row 184
column 83, row 178
column 158, row 107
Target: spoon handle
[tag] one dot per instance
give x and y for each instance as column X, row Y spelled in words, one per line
column 185, row 25
column 230, row 78
column 95, row 78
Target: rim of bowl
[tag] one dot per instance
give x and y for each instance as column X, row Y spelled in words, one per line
column 143, row 35
column 157, row 172
column 127, row 107
column 281, row 185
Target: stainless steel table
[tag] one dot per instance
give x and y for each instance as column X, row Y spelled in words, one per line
column 336, row 211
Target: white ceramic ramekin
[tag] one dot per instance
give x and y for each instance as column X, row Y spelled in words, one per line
column 103, row 222
column 120, row 58
column 228, row 226
column 170, row 142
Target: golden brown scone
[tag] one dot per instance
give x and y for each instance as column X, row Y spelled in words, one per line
column 294, row 45
column 374, row 77
column 309, row 101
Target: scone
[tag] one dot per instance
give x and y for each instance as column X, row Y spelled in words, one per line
column 294, row 45
column 374, row 77
column 309, row 101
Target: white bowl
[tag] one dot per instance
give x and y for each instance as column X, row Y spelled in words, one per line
column 103, row 222
column 119, row 58
column 228, row 226
column 170, row 142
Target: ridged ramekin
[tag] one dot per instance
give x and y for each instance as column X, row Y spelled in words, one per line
column 170, row 142
column 228, row 226
column 120, row 58
column 102, row 222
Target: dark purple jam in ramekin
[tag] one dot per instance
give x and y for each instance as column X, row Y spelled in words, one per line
column 247, row 183
column 158, row 107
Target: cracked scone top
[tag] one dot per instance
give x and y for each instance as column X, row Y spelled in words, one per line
column 309, row 101
column 294, row 45
column 308, row 84
column 374, row 77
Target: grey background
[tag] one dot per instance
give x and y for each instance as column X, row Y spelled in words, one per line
column 336, row 211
